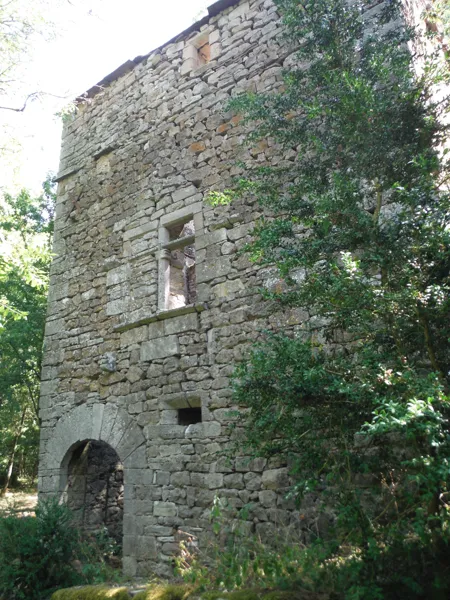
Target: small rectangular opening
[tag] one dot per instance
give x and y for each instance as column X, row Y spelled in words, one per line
column 189, row 416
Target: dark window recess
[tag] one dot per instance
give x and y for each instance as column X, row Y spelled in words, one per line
column 204, row 54
column 189, row 416
column 182, row 266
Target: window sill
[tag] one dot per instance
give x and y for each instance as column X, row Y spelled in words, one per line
column 161, row 315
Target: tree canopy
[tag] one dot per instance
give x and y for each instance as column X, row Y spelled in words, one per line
column 356, row 398
column 26, row 226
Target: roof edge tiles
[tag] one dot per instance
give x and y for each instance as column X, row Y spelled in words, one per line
column 126, row 67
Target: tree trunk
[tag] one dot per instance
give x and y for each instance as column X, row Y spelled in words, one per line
column 9, row 470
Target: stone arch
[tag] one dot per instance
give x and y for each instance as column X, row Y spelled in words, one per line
column 104, row 423
column 100, row 422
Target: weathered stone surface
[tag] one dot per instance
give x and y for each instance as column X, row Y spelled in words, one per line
column 160, row 348
column 139, row 159
column 274, row 479
column 164, row 509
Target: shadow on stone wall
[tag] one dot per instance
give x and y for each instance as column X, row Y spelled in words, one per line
column 94, row 489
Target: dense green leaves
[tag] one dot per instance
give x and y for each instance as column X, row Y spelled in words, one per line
column 25, row 235
column 41, row 554
column 360, row 235
column 36, row 553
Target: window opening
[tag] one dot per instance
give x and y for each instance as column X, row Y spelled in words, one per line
column 189, row 416
column 181, row 281
column 204, row 54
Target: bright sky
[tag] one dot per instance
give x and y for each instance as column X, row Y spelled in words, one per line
column 97, row 36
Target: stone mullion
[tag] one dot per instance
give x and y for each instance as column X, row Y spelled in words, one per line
column 164, row 279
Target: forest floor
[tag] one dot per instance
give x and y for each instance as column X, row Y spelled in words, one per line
column 19, row 503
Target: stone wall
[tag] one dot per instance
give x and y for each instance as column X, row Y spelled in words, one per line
column 137, row 160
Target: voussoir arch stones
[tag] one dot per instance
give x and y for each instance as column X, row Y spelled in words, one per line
column 101, row 422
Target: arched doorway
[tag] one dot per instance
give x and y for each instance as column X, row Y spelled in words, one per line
column 93, row 487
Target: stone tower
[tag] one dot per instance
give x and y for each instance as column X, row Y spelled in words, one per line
column 150, row 303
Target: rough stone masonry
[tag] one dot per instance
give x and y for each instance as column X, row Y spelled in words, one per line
column 150, row 302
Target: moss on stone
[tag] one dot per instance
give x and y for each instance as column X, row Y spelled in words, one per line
column 175, row 592
column 165, row 592
column 237, row 595
column 92, row 592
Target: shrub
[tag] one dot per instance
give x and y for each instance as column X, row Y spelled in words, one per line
column 96, row 554
column 36, row 553
column 39, row 555
column 235, row 558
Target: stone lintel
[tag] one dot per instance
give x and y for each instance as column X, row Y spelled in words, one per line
column 161, row 315
column 67, row 173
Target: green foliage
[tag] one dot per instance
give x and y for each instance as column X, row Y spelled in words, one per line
column 39, row 555
column 235, row 558
column 26, row 227
column 360, row 236
column 95, row 554
column 220, row 198
column 36, row 553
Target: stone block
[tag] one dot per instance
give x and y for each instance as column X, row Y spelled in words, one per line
column 252, row 481
column 109, row 418
column 129, row 564
column 97, row 420
column 158, row 530
column 160, row 348
column 145, row 547
column 137, row 335
column 140, row 231
column 118, row 275
column 117, row 307
column 210, row 481
column 180, row 215
column 131, row 439
column 228, row 289
column 181, row 324
column 197, row 147
column 171, row 432
column 184, row 193
column 156, row 330
column 180, row 479
column 136, row 460
column 234, row 481
column 268, row 498
column 208, row 239
column 203, row 430
column 274, row 479
column 138, row 476
column 164, row 509
column 58, row 291
column 54, row 326
column 239, row 11
column 211, row 269
column 162, row 478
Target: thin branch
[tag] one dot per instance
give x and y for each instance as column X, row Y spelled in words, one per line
column 29, row 98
